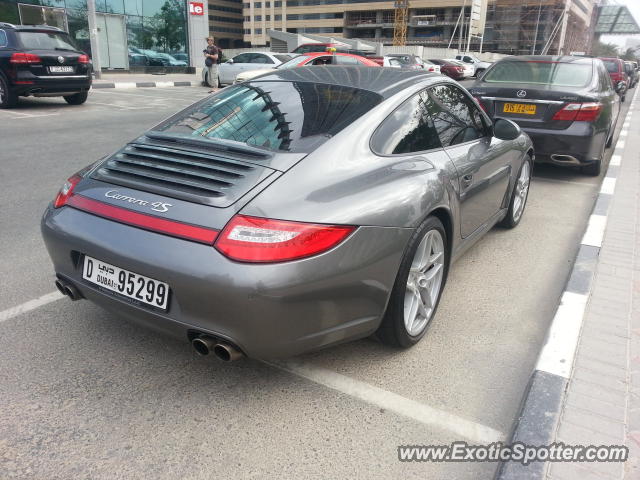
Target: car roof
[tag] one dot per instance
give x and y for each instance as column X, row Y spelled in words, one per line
column 318, row 54
column 383, row 81
column 548, row 58
column 38, row 28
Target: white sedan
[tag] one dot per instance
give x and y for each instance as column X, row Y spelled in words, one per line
column 228, row 70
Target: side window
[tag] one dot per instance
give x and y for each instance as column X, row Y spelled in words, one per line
column 455, row 117
column 468, row 60
column 408, row 129
column 605, row 78
column 260, row 58
column 3, row 39
column 342, row 60
column 324, row 60
column 242, row 58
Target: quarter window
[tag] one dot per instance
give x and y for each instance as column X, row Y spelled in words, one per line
column 455, row 117
column 408, row 129
column 3, row 39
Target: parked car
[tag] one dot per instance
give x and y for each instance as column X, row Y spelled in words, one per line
column 632, row 73
column 228, row 70
column 41, row 61
column 567, row 105
column 431, row 67
column 170, row 61
column 408, row 61
column 136, row 58
column 181, row 56
column 310, row 59
column 302, row 209
column 478, row 65
column 468, row 70
column 448, row 68
column 618, row 75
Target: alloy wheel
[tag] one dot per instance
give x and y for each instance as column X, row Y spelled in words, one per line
column 424, row 283
column 522, row 190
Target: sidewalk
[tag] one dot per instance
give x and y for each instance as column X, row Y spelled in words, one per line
column 602, row 401
column 145, row 80
column 585, row 389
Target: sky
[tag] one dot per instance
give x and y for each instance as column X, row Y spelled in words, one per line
column 634, row 8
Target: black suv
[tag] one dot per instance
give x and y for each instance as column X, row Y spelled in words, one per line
column 41, row 61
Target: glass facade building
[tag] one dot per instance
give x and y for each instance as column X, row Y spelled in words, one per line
column 132, row 33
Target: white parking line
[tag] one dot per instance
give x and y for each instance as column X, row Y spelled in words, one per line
column 615, row 160
column 608, row 185
column 393, row 402
column 30, row 305
column 27, row 115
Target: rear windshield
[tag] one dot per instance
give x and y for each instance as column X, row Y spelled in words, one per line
column 283, row 58
column 283, row 116
column 612, row 66
column 543, row 73
column 45, row 41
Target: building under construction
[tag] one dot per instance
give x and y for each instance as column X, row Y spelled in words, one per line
column 512, row 26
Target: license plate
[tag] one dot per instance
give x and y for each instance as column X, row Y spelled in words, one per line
column 131, row 285
column 64, row 69
column 524, row 108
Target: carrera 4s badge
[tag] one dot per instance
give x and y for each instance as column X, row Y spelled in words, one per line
column 155, row 206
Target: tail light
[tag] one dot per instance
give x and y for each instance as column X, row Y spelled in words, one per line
column 480, row 104
column 66, row 191
column 83, row 59
column 579, row 112
column 24, row 58
column 263, row 240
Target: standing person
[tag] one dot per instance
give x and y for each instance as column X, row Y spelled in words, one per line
column 211, row 54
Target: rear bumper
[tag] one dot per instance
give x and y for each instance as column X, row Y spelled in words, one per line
column 580, row 144
column 33, row 85
column 268, row 311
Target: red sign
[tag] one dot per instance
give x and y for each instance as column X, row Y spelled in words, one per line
column 196, row 8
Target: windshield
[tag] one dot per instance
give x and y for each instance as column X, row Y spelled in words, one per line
column 284, row 116
column 45, row 41
column 294, row 62
column 542, row 73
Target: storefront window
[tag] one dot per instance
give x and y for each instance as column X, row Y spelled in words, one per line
column 113, row 6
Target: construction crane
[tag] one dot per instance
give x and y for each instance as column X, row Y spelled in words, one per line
column 400, row 22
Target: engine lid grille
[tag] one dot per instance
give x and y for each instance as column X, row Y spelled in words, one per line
column 195, row 176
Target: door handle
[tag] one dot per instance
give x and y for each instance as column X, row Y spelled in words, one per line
column 466, row 180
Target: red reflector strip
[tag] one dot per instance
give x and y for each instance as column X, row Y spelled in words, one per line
column 148, row 222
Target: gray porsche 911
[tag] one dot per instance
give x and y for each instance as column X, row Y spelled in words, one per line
column 305, row 208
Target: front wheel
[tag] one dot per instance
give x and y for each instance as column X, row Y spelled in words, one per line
column 479, row 72
column 418, row 286
column 77, row 99
column 518, row 196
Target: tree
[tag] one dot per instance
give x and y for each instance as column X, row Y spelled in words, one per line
column 630, row 54
column 605, row 50
column 168, row 25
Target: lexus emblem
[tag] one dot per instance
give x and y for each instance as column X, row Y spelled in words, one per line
column 521, row 93
column 60, row 59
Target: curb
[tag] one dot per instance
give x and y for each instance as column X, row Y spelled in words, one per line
column 143, row 84
column 543, row 398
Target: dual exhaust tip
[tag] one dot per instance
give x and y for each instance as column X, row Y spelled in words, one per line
column 205, row 345
column 68, row 290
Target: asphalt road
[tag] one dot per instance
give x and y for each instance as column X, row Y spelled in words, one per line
column 86, row 395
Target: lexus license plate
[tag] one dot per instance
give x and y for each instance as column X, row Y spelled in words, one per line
column 132, row 285
column 523, row 108
column 63, row 69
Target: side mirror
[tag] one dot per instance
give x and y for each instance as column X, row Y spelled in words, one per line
column 506, row 129
column 620, row 86
column 230, row 60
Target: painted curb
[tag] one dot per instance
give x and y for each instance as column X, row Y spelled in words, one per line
column 543, row 398
column 98, row 85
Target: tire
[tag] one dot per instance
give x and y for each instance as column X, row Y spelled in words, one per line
column 623, row 98
column 420, row 277
column 479, row 72
column 593, row 169
column 77, row 99
column 519, row 195
column 8, row 98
